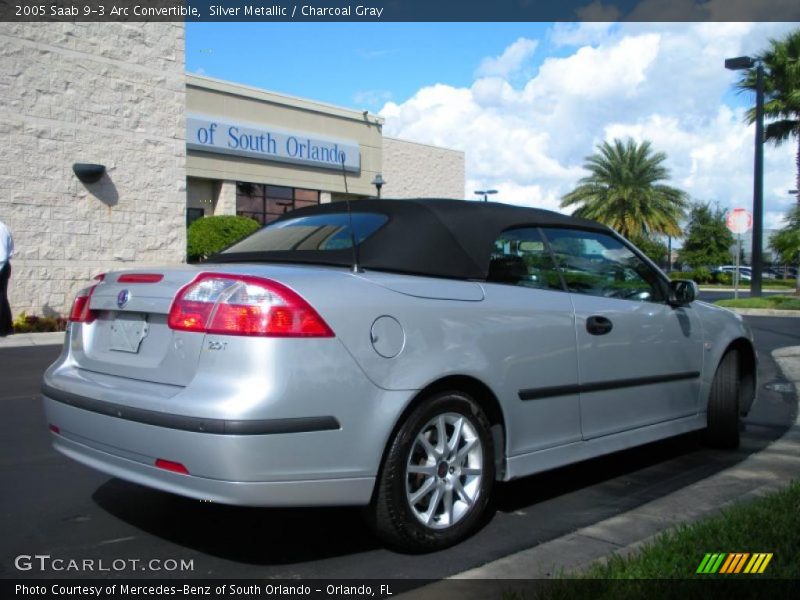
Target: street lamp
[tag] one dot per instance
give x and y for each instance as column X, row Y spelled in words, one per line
column 485, row 194
column 378, row 182
column 737, row 64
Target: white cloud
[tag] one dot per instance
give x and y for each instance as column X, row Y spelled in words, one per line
column 592, row 73
column 510, row 61
column 662, row 82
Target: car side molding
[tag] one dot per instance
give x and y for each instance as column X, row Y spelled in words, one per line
column 599, row 386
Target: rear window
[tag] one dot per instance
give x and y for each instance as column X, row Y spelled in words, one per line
column 317, row 233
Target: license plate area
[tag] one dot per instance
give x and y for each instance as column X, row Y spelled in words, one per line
column 127, row 332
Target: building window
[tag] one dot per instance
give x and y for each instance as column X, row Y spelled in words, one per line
column 265, row 203
column 192, row 214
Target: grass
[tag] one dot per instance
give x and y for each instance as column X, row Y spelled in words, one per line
column 779, row 302
column 767, row 284
column 767, row 525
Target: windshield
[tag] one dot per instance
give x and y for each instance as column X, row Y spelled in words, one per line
column 318, row 233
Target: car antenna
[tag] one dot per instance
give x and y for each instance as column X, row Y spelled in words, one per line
column 353, row 243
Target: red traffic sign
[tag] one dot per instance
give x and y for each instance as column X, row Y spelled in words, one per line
column 739, row 220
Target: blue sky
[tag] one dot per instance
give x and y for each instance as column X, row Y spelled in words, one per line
column 526, row 102
column 335, row 62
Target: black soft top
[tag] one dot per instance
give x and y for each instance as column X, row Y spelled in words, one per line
column 426, row 236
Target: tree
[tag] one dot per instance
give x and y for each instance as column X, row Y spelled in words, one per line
column 786, row 242
column 655, row 249
column 781, row 92
column 708, row 240
column 623, row 191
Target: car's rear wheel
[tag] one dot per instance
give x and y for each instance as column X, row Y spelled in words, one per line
column 722, row 430
column 436, row 477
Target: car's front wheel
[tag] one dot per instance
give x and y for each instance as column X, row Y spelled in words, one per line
column 722, row 430
column 437, row 475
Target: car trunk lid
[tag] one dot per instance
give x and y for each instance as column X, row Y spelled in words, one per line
column 129, row 336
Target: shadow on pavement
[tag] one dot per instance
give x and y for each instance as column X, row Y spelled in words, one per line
column 243, row 534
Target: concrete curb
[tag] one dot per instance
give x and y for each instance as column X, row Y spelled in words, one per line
column 759, row 474
column 19, row 340
column 746, row 290
column 764, row 312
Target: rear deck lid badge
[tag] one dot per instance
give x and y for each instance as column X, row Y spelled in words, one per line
column 122, row 298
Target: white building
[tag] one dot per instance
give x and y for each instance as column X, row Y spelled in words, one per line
column 117, row 95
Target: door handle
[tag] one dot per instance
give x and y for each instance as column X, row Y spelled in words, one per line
column 597, row 325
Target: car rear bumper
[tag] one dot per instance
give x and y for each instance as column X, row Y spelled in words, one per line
column 324, row 492
column 299, row 468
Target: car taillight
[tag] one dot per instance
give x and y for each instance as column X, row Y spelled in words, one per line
column 244, row 305
column 80, row 312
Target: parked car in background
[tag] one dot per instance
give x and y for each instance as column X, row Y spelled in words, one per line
column 404, row 356
column 783, row 272
column 745, row 273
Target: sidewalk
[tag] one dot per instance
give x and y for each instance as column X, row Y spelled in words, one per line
column 17, row 340
column 745, row 289
column 764, row 312
column 760, row 473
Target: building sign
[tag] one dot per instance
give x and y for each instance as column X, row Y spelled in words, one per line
column 209, row 134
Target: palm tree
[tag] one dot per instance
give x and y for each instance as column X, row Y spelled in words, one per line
column 781, row 92
column 623, row 191
column 786, row 242
column 781, row 106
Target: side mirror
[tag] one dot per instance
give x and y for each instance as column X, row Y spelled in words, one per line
column 682, row 292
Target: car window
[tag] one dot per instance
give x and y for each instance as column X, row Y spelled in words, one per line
column 520, row 257
column 319, row 232
column 600, row 265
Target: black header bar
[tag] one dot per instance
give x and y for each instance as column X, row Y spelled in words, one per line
column 399, row 10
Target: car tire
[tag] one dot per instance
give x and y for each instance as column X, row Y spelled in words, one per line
column 433, row 489
column 722, row 430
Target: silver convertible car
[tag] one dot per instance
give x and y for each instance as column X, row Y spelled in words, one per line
column 404, row 356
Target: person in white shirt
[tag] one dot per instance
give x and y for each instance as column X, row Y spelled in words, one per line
column 6, row 252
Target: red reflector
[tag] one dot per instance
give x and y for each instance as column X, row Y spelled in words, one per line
column 168, row 465
column 140, row 278
column 55, row 429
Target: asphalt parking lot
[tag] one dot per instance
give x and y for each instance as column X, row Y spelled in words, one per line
column 56, row 507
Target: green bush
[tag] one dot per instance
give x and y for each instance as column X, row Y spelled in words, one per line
column 701, row 275
column 725, row 279
column 210, row 235
column 36, row 324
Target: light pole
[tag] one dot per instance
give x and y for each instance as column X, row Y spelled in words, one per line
column 378, row 182
column 796, row 194
column 669, row 253
column 485, row 194
column 756, row 262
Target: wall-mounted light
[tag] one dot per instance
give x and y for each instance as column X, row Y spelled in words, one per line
column 87, row 172
column 485, row 194
column 378, row 182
